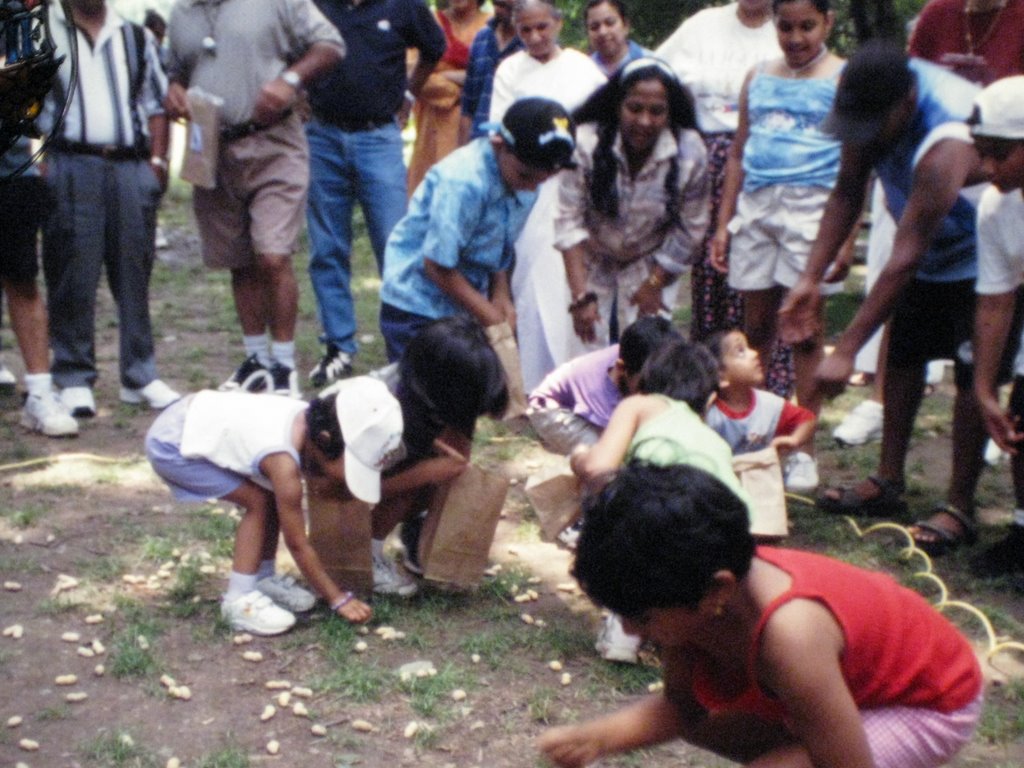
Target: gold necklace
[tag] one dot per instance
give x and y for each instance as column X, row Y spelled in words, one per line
column 971, row 8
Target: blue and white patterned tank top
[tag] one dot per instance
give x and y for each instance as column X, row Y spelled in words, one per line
column 786, row 144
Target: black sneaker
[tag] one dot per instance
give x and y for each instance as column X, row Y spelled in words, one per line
column 251, row 376
column 1003, row 558
column 285, row 381
column 410, row 538
column 334, row 365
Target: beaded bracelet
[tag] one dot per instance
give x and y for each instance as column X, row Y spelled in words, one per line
column 345, row 599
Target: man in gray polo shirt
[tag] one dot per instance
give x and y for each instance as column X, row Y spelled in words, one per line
column 255, row 55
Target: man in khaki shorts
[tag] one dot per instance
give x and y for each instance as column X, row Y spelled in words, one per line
column 256, row 55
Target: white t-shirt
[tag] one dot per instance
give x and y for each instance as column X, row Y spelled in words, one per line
column 711, row 52
column 569, row 79
column 1001, row 247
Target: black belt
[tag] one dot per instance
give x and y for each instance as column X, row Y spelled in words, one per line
column 106, row 151
column 356, row 126
column 248, row 128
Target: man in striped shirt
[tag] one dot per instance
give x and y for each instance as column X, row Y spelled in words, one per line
column 107, row 169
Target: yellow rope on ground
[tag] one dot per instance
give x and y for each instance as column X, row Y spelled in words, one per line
column 996, row 645
column 59, row 458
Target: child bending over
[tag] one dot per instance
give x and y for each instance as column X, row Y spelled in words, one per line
column 749, row 418
column 771, row 657
column 253, row 451
column 664, row 426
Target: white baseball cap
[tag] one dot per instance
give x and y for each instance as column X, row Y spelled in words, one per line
column 999, row 110
column 371, row 426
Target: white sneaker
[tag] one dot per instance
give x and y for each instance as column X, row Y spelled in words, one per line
column 388, row 580
column 47, row 415
column 613, row 644
column 800, row 473
column 283, row 590
column 8, row 381
column 78, row 401
column 256, row 613
column 156, row 395
column 861, row 425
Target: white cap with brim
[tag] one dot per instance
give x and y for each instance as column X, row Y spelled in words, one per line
column 371, row 426
column 999, row 110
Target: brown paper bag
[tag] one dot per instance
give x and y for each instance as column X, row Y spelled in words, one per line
column 556, row 499
column 339, row 532
column 202, row 135
column 503, row 341
column 460, row 525
column 760, row 474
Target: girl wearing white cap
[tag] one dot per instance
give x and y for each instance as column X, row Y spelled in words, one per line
column 253, row 451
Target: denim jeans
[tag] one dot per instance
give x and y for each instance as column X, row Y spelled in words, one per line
column 346, row 166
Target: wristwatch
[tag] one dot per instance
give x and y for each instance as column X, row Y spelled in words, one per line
column 292, row 78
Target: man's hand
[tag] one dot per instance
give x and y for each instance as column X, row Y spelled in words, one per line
column 833, row 374
column 1002, row 427
column 583, row 321
column 176, row 102
column 719, row 255
column 274, row 99
column 800, row 313
column 647, row 299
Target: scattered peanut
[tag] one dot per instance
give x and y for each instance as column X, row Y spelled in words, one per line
column 411, row 729
column 273, row 747
column 253, row 656
column 318, row 730
column 284, row 699
column 143, row 642
column 655, row 686
column 99, row 670
column 12, row 586
column 555, row 666
column 207, row 570
column 182, row 692
column 63, row 584
column 242, row 639
column 14, row 721
column 363, row 726
column 98, row 648
column 268, row 712
column 527, row 618
column 306, row 693
column 29, row 745
column 566, row 678
column 70, row 637
column 360, row 647
column 459, row 695
column 15, row 631
column 475, row 658
column 566, row 586
column 277, row 685
column 94, row 618
column 86, row 652
column 299, row 709
column 167, row 681
column 76, row 696
column 173, row 762
column 66, row 679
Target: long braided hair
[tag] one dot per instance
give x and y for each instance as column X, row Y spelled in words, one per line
column 602, row 108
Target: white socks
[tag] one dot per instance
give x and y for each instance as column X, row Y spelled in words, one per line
column 239, row 584
column 38, row 383
column 257, row 345
column 283, row 352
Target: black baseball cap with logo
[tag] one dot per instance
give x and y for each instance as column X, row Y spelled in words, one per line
column 539, row 133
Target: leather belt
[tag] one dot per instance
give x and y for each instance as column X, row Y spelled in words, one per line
column 106, row 151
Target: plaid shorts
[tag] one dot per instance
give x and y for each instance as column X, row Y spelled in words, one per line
column 911, row 737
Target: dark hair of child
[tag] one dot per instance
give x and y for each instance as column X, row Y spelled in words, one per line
column 322, row 425
column 714, row 344
column 683, row 370
column 448, row 376
column 603, row 108
column 618, row 5
column 641, row 338
column 654, row 537
column 822, row 6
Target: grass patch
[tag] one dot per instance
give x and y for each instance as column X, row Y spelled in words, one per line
column 225, row 757
column 117, row 749
column 131, row 653
column 25, row 517
column 426, row 694
column 355, row 681
column 1002, row 720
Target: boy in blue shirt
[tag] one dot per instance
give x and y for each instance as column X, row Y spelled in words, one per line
column 453, row 251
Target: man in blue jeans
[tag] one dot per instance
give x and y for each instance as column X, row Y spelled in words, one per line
column 355, row 147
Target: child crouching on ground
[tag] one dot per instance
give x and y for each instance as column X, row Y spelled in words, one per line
column 253, row 450
column 770, row 657
column 663, row 426
column 749, row 418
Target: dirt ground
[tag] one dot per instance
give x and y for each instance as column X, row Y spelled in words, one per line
column 148, row 572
